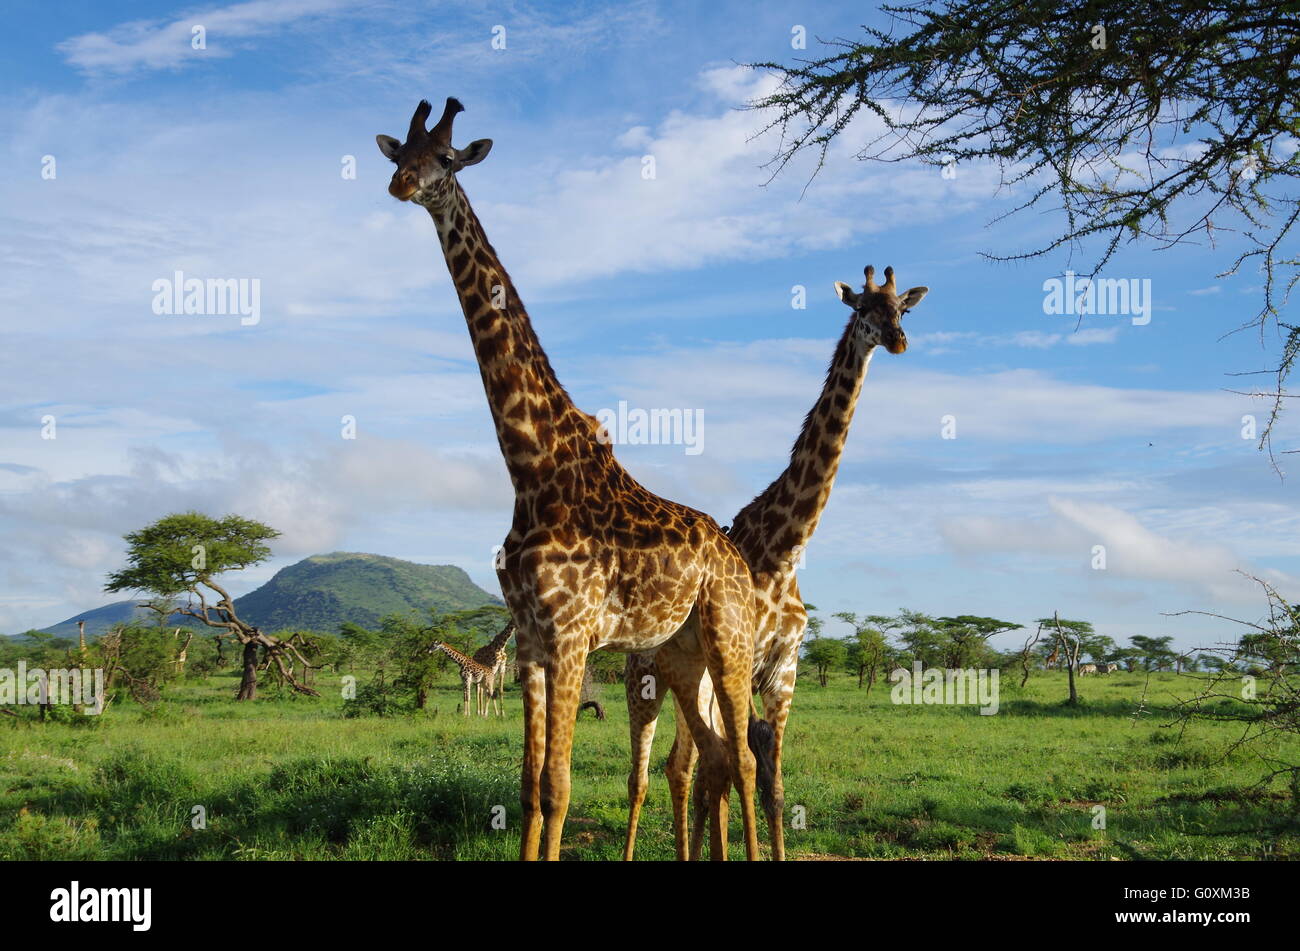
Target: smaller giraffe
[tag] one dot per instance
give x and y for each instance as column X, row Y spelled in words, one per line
column 493, row 654
column 472, row 673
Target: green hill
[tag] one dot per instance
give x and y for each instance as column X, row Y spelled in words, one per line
column 321, row 592
column 99, row 620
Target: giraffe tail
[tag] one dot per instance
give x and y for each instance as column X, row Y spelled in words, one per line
column 762, row 743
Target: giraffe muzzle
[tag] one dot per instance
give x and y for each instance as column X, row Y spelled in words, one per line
column 403, row 186
column 896, row 342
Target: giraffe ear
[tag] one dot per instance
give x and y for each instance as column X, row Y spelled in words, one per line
column 913, row 297
column 846, row 294
column 389, row 146
column 473, row 153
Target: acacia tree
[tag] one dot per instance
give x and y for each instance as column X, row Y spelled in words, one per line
column 1130, row 657
column 184, row 554
column 967, row 637
column 824, row 653
column 920, row 638
column 1155, row 652
column 867, row 647
column 1070, row 640
column 1159, row 121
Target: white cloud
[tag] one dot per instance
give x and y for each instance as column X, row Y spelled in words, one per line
column 1071, row 528
column 166, row 44
column 755, row 396
column 940, row 342
column 1035, row 339
column 63, row 536
column 1092, row 335
column 706, row 202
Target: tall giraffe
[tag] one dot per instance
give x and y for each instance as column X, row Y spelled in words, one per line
column 493, row 654
column 771, row 533
column 593, row 559
column 472, row 674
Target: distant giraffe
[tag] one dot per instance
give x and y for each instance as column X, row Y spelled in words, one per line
column 493, row 654
column 1052, row 658
column 472, row 673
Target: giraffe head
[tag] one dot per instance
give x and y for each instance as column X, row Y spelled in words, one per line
column 877, row 311
column 427, row 162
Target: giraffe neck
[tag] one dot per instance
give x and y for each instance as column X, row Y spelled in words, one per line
column 498, row 642
column 464, row 662
column 771, row 530
column 535, row 418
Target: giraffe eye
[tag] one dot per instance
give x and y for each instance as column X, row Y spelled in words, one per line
column 444, row 161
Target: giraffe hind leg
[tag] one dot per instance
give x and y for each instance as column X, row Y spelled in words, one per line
column 679, row 768
column 684, row 674
column 643, row 716
column 727, row 636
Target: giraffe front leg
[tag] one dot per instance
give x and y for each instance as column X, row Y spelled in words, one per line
column 465, row 705
column 532, row 681
column 563, row 692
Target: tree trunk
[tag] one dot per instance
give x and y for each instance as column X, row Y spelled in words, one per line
column 421, row 697
column 248, row 686
column 1074, row 694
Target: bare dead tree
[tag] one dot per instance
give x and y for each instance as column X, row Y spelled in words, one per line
column 1026, row 655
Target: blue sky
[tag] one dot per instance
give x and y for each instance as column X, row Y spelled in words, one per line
column 673, row 292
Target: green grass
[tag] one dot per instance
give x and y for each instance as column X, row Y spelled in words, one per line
column 292, row 778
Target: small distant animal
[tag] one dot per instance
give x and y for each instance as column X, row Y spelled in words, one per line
column 1085, row 669
column 1110, row 668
